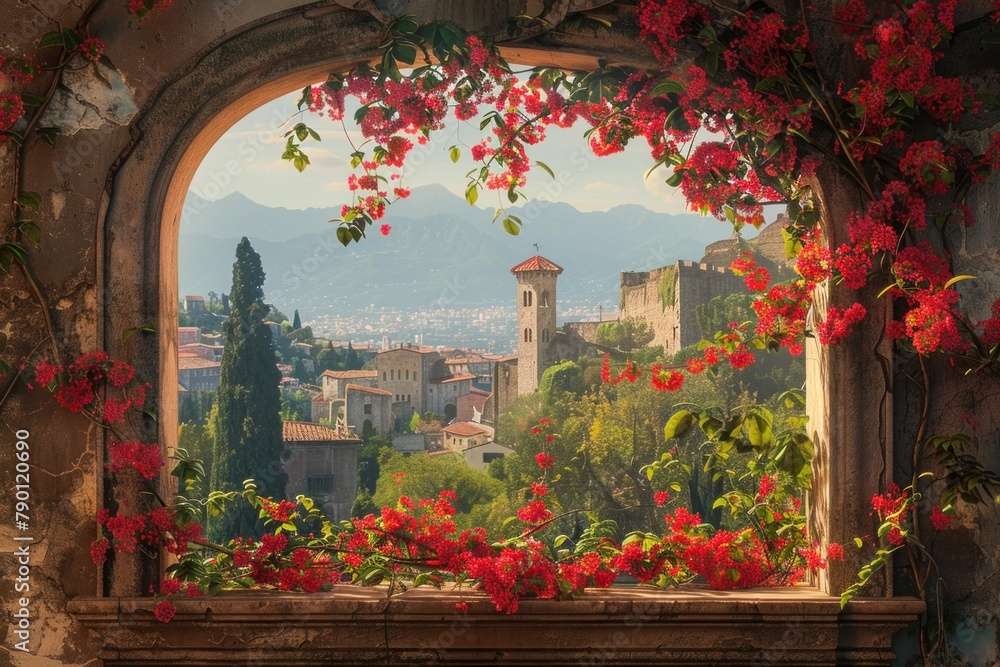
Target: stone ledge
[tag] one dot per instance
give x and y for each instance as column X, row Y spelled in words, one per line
column 691, row 626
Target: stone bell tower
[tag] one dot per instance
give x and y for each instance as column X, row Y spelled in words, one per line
column 536, row 319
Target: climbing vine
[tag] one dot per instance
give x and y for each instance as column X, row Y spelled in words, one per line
column 667, row 287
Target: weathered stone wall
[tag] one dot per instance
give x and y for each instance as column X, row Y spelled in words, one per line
column 338, row 460
column 666, row 298
column 112, row 189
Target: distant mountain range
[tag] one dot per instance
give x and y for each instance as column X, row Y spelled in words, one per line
column 441, row 252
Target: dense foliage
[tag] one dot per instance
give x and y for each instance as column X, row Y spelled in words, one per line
column 248, row 440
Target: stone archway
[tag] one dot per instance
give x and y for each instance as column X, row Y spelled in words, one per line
column 287, row 51
column 126, row 201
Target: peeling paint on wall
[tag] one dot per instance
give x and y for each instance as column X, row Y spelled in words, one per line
column 90, row 95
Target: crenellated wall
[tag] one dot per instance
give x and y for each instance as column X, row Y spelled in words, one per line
column 666, row 299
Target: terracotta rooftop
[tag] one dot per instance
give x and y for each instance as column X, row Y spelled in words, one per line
column 187, row 363
column 454, row 378
column 480, row 392
column 368, row 390
column 537, row 263
column 464, row 429
column 308, row 432
column 349, row 375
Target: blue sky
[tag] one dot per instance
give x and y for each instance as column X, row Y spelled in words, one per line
column 247, row 159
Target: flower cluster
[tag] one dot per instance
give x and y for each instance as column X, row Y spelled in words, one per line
column 81, row 386
column 147, row 459
column 893, row 508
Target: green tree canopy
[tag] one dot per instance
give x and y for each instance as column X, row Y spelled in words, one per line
column 248, row 432
column 631, row 334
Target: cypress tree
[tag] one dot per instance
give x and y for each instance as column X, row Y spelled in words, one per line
column 296, row 322
column 248, row 428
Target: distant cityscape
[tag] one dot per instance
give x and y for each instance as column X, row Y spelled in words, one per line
column 491, row 329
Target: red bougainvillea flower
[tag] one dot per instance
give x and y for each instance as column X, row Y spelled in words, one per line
column 544, row 460
column 839, row 324
column 280, row 511
column 664, row 380
column 45, row 373
column 660, row 498
column 164, row 611
column 11, row 110
column 91, row 48
column 385, row 229
column 534, row 513
column 99, row 551
column 146, row 458
column 939, row 519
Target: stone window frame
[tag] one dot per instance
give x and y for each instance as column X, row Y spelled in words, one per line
column 192, row 107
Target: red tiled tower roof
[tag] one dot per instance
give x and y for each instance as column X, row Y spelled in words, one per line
column 537, row 263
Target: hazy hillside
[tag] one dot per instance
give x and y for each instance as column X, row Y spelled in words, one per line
column 441, row 252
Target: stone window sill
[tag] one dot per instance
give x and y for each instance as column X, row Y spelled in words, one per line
column 694, row 625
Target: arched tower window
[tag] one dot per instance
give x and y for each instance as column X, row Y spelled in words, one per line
column 527, row 335
column 527, row 298
column 545, row 335
column 543, row 302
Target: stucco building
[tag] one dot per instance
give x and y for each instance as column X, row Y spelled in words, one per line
column 198, row 374
column 334, row 383
column 322, row 463
column 368, row 409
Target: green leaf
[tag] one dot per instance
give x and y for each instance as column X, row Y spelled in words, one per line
column 31, row 230
column 472, row 193
column 512, row 195
column 545, row 167
column 49, row 134
column 511, row 227
column 454, row 153
column 404, row 53
column 675, row 179
column 667, row 87
column 301, row 161
column 858, row 542
column 29, row 200
column 128, row 333
column 957, row 279
column 301, row 131
column 344, row 236
column 53, row 38
column 678, row 424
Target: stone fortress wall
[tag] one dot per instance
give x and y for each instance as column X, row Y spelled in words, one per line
column 666, row 299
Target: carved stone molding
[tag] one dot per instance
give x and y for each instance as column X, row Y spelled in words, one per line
column 796, row 626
